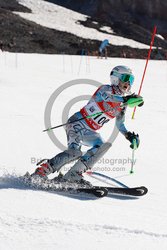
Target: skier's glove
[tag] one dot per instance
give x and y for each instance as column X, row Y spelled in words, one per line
column 141, row 104
column 133, row 138
column 133, row 100
column 126, row 98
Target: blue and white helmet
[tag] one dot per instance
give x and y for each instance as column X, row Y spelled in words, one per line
column 121, row 73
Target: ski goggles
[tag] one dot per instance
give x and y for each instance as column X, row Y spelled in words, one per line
column 124, row 77
column 127, row 78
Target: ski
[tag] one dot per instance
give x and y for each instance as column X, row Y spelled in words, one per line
column 98, row 191
column 135, row 191
column 104, row 191
column 55, row 186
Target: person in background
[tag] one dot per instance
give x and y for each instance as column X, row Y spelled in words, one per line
column 103, row 48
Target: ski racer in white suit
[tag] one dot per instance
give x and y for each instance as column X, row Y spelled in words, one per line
column 107, row 99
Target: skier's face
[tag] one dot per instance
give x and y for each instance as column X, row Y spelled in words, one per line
column 124, row 86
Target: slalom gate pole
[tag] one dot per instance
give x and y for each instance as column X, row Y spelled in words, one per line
column 148, row 57
column 133, row 156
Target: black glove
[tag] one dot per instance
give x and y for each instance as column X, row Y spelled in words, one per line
column 126, row 98
column 139, row 100
column 141, row 104
column 132, row 136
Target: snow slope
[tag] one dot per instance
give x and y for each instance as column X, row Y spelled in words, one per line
column 56, row 17
column 32, row 219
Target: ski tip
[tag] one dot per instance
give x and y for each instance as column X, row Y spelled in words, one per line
column 140, row 191
column 145, row 190
column 100, row 192
column 95, row 190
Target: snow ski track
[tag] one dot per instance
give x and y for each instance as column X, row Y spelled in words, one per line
column 47, row 224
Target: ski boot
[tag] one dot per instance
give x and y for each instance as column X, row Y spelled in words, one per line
column 75, row 179
column 43, row 170
column 58, row 178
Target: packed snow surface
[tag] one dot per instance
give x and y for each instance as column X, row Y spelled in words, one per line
column 31, row 219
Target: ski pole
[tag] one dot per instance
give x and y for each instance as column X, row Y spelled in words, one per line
column 133, row 155
column 130, row 103
column 148, row 57
column 80, row 119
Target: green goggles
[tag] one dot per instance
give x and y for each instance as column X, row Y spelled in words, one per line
column 127, row 78
column 124, row 77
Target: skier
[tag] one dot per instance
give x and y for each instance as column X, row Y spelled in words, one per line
column 110, row 99
column 103, row 48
